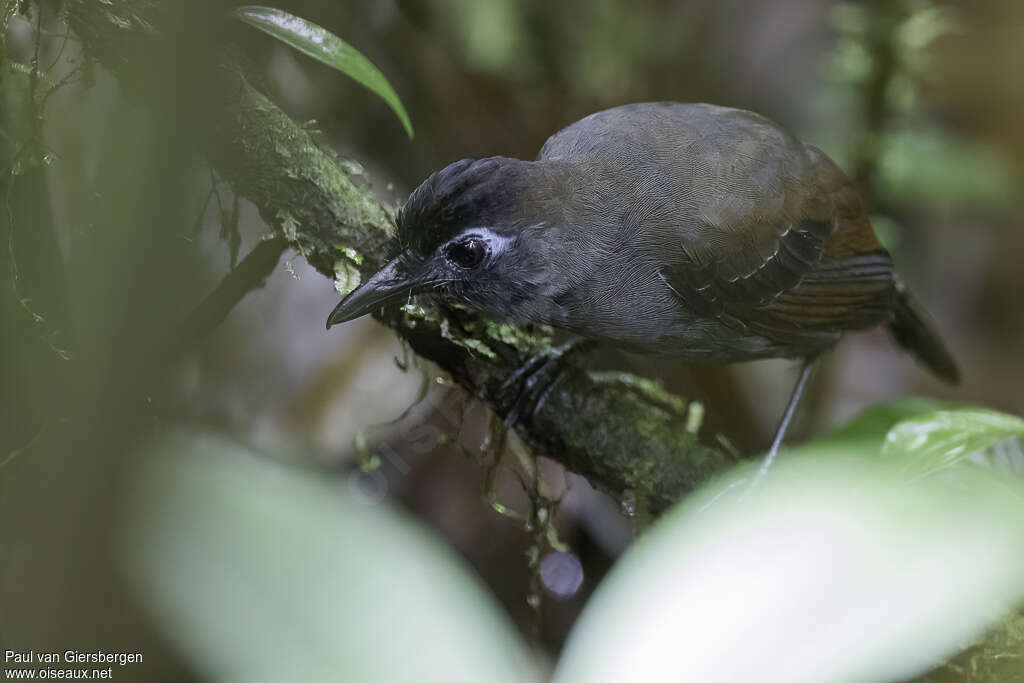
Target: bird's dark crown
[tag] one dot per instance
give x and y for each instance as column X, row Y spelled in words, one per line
column 466, row 193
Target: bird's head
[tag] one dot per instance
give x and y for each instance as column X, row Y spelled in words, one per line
column 472, row 233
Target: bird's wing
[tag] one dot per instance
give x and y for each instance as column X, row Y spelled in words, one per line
column 799, row 290
column 771, row 234
column 804, row 261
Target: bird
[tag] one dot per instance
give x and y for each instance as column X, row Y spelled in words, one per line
column 687, row 230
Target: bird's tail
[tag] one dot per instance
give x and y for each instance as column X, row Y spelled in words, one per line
column 912, row 329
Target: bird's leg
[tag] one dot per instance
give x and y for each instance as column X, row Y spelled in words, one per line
column 536, row 377
column 794, row 399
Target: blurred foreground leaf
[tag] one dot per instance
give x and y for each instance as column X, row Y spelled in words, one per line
column 324, row 46
column 935, row 441
column 830, row 569
column 259, row 572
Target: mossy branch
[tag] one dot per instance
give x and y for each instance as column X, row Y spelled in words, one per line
column 625, row 435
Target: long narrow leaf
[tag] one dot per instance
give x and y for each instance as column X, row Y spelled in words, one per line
column 324, row 46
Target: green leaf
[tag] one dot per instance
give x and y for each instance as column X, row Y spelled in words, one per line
column 864, row 435
column 324, row 46
column 829, row 569
column 939, row 440
column 258, row 571
column 997, row 658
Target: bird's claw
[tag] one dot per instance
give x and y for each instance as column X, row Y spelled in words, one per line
column 535, row 379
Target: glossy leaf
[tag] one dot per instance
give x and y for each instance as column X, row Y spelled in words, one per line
column 938, row 440
column 324, row 46
column 864, row 435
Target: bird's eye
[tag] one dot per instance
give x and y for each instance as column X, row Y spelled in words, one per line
column 467, row 253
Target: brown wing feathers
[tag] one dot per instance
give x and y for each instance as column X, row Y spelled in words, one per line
column 826, row 274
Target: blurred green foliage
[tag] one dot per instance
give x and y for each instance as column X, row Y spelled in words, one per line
column 836, row 567
column 262, row 572
column 831, row 569
column 888, row 47
column 921, row 166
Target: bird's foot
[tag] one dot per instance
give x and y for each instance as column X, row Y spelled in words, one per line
column 533, row 381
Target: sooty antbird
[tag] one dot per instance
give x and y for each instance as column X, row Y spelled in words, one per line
column 686, row 230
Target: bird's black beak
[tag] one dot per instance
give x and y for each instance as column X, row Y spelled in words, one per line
column 386, row 285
